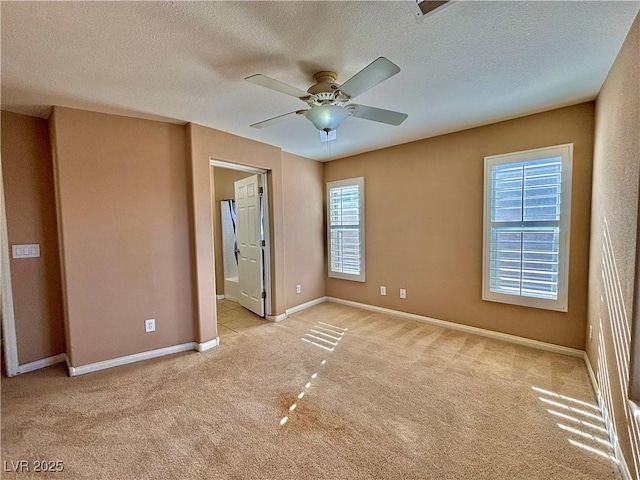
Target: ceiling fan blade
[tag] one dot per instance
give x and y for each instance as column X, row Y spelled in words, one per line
column 378, row 115
column 278, row 119
column 370, row 76
column 276, row 85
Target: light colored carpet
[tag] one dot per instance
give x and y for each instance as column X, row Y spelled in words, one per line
column 395, row 399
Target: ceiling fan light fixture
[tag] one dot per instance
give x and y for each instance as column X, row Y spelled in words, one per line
column 327, row 118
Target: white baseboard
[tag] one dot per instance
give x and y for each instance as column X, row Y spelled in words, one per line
column 203, row 347
column 305, row 305
column 220, row 297
column 136, row 357
column 276, row 318
column 550, row 347
column 622, row 464
column 45, row 362
column 573, row 352
column 231, row 297
column 297, row 308
column 592, row 375
column 613, row 438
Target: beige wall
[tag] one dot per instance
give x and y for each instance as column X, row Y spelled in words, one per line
column 613, row 259
column 123, row 206
column 134, row 205
column 424, row 211
column 205, row 144
column 303, row 226
column 303, row 189
column 223, row 189
column 31, row 218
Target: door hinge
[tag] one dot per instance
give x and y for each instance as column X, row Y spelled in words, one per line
column 264, row 294
column 263, row 243
column 260, row 190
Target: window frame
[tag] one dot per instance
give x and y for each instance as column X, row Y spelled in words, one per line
column 565, row 152
column 359, row 182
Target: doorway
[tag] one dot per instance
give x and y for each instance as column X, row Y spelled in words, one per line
column 242, row 247
column 9, row 341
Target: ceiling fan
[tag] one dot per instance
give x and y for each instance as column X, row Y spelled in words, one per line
column 329, row 101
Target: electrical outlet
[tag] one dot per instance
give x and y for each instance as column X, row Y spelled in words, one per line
column 403, row 293
column 383, row 290
column 150, row 325
column 298, row 288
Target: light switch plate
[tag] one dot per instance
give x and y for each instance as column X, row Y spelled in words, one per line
column 26, row 251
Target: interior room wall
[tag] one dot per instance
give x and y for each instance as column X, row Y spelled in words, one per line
column 223, row 189
column 612, row 279
column 123, row 211
column 205, row 144
column 424, row 224
column 31, row 218
column 303, row 189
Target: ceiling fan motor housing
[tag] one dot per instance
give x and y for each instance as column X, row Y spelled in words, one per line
column 329, row 104
column 325, row 91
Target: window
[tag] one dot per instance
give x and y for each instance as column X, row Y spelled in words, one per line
column 345, row 229
column 526, row 227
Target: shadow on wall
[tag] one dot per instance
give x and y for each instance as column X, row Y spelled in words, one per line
column 621, row 334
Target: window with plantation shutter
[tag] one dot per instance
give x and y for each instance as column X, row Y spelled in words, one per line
column 345, row 229
column 526, row 227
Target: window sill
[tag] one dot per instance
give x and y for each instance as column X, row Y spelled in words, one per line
column 530, row 302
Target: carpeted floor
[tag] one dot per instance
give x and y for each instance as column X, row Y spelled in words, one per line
column 383, row 398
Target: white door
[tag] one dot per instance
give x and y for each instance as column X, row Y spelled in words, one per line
column 250, row 264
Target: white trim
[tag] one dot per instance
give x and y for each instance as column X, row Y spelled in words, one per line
column 613, row 438
column 350, row 182
column 203, row 347
column 136, row 357
column 235, row 166
column 622, row 464
column 43, row 363
column 266, row 223
column 276, row 318
column 527, row 342
column 220, row 297
column 231, row 298
column 565, row 153
column 6, row 292
column 592, row 375
column 304, row 306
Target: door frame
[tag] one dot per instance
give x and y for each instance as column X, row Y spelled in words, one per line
column 266, row 222
column 9, row 340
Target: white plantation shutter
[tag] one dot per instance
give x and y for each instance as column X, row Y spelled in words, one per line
column 526, row 227
column 345, row 229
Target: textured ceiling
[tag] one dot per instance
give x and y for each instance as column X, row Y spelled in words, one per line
column 473, row 63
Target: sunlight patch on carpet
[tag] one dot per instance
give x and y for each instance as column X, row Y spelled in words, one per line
column 584, row 421
column 577, row 420
column 593, row 450
column 318, row 334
